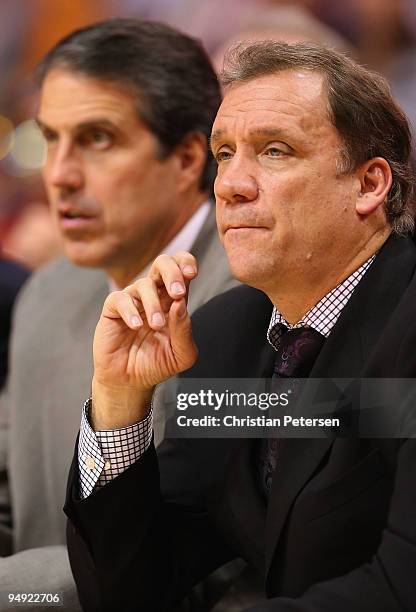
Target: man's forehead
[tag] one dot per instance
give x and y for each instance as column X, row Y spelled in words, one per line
column 263, row 104
column 294, row 82
column 285, row 90
column 77, row 98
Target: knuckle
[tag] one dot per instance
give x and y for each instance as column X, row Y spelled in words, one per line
column 112, row 298
column 161, row 259
column 126, row 298
column 184, row 255
column 144, row 284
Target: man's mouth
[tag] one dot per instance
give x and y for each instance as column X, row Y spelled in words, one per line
column 75, row 220
column 66, row 212
column 72, row 215
column 245, row 227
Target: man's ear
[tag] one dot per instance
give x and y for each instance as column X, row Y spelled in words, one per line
column 191, row 154
column 375, row 182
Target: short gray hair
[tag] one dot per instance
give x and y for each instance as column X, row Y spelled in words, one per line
column 361, row 108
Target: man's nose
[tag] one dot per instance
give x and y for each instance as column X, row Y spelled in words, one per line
column 236, row 182
column 63, row 170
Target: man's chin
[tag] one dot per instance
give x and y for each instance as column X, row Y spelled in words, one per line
column 84, row 257
column 251, row 264
column 249, row 273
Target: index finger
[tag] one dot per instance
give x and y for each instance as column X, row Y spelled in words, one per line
column 187, row 263
column 174, row 273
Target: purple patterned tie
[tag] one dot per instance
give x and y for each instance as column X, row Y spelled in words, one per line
column 297, row 352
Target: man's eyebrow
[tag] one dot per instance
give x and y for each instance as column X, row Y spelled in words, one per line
column 41, row 125
column 269, row 132
column 215, row 136
column 97, row 121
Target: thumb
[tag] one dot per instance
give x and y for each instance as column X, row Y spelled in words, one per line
column 181, row 338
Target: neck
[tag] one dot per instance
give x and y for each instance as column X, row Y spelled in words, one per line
column 120, row 278
column 127, row 271
column 302, row 290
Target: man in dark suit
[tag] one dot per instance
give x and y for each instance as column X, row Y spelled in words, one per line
column 12, row 277
column 313, row 193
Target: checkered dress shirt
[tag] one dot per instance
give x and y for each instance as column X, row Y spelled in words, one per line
column 103, row 455
column 323, row 316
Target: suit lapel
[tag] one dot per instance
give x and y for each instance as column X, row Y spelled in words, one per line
column 344, row 355
column 248, row 511
column 241, row 488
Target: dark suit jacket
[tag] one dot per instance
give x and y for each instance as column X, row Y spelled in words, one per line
column 12, row 277
column 339, row 532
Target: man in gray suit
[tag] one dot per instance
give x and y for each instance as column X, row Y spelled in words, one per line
column 126, row 109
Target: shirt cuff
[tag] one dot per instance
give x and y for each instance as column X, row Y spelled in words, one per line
column 103, row 455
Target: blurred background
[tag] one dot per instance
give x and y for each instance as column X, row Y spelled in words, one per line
column 379, row 33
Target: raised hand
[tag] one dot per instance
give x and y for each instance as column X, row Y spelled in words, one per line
column 143, row 337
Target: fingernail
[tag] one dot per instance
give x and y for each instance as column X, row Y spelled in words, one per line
column 188, row 269
column 177, row 288
column 158, row 319
column 182, row 310
column 136, row 321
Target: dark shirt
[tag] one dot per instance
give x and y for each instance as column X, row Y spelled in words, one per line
column 12, row 277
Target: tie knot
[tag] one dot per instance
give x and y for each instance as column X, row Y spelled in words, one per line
column 297, row 352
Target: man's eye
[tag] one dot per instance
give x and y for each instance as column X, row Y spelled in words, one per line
column 97, row 139
column 49, row 136
column 100, row 136
column 274, row 152
column 222, row 156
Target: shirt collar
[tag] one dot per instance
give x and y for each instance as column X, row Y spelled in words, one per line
column 323, row 316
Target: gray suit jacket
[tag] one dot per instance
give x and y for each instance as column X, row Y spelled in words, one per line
column 50, row 378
